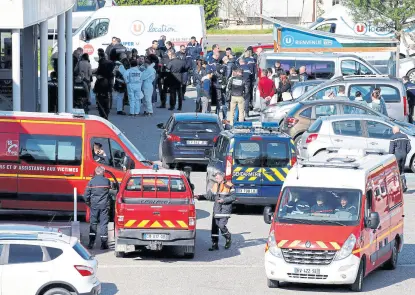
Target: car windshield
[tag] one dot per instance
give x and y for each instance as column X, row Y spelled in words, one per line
column 205, row 127
column 131, row 147
column 335, row 206
column 81, row 27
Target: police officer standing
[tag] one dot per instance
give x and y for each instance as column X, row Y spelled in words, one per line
column 98, row 199
column 176, row 67
column 410, row 94
column 400, row 146
column 193, row 51
column 246, row 75
column 223, row 194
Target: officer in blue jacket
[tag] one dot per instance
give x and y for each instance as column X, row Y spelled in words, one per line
column 97, row 197
column 246, row 76
column 410, row 94
column 193, row 51
column 400, row 146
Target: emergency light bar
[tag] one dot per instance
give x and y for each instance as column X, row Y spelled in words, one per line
column 255, row 125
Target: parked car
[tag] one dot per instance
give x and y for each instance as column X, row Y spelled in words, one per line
column 392, row 91
column 352, row 131
column 305, row 113
column 38, row 260
column 185, row 138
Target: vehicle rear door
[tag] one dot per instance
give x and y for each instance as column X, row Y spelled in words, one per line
column 393, row 100
column 246, row 168
column 157, row 203
column 276, row 163
column 9, row 159
column 196, row 137
column 378, row 135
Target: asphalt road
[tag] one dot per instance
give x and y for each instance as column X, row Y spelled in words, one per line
column 239, row 270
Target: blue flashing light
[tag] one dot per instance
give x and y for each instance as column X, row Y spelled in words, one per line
column 256, row 125
column 270, row 125
column 155, row 167
column 242, row 125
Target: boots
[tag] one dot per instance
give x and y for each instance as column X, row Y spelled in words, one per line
column 214, row 247
column 104, row 245
column 228, row 241
column 91, row 244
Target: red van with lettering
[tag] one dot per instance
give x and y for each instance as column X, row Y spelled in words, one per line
column 43, row 157
column 155, row 209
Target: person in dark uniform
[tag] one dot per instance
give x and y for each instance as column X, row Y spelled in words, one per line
column 187, row 170
column 400, row 146
column 321, row 207
column 223, row 194
column 97, row 197
column 410, row 94
column 246, row 75
column 176, row 67
column 297, row 205
column 345, row 207
column 102, row 86
column 99, row 154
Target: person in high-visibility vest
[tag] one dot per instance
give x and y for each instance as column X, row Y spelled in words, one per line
column 223, row 194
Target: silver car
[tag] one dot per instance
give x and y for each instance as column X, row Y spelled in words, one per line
column 353, row 132
column 392, row 91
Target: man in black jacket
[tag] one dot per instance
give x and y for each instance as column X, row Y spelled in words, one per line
column 109, row 47
column 103, row 85
column 97, row 198
column 400, row 146
column 223, row 194
column 176, row 67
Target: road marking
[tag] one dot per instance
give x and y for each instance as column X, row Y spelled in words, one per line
column 178, row 266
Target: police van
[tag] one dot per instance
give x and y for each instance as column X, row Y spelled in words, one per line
column 339, row 217
column 256, row 158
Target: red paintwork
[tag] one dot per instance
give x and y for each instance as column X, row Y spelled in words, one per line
column 40, row 179
column 134, row 214
column 367, row 240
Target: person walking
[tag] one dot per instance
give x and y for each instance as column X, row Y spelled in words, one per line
column 198, row 74
column 206, row 92
column 236, row 89
column 120, row 88
column 410, row 94
column 132, row 78
column 400, row 146
column 148, row 76
column 223, row 194
column 97, row 197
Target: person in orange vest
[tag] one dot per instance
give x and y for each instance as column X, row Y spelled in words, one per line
column 223, row 194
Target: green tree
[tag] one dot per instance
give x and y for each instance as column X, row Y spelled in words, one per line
column 210, row 6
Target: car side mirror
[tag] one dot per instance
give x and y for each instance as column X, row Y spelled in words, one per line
column 160, row 126
column 82, row 36
column 374, row 220
column 268, row 215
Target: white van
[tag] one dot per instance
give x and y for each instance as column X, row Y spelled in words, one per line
column 138, row 26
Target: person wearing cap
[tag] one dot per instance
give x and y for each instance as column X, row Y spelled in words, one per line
column 97, row 197
column 400, row 146
column 223, row 194
column 345, row 207
column 320, row 206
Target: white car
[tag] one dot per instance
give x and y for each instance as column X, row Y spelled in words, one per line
column 43, row 261
column 352, row 132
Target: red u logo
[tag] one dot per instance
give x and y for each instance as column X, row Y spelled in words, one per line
column 360, row 28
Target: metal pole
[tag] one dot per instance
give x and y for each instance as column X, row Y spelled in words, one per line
column 69, row 62
column 75, row 204
column 260, row 12
column 44, row 102
column 17, row 103
column 61, row 63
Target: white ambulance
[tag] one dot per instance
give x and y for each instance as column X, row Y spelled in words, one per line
column 338, row 218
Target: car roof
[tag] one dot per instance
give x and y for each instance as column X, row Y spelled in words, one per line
column 310, row 82
column 25, row 232
column 134, row 172
column 355, row 117
column 26, row 227
column 196, row 117
column 330, row 101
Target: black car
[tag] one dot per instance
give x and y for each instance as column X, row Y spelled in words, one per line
column 186, row 137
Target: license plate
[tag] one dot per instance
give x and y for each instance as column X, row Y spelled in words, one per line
column 156, row 237
column 247, row 191
column 307, row 271
column 197, row 142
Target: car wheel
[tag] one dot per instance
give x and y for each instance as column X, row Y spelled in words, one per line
column 412, row 163
column 57, row 291
column 411, row 75
column 357, row 286
column 393, row 261
column 273, row 284
column 119, row 254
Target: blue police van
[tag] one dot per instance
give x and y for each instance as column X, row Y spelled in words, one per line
column 256, row 158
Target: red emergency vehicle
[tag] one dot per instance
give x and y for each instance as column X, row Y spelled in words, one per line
column 155, row 208
column 43, row 157
column 338, row 218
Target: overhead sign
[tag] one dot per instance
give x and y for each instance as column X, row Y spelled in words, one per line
column 291, row 38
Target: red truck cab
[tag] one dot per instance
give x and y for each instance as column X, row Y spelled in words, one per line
column 155, row 208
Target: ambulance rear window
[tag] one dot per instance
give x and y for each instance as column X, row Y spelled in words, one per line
column 265, row 153
column 151, row 184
